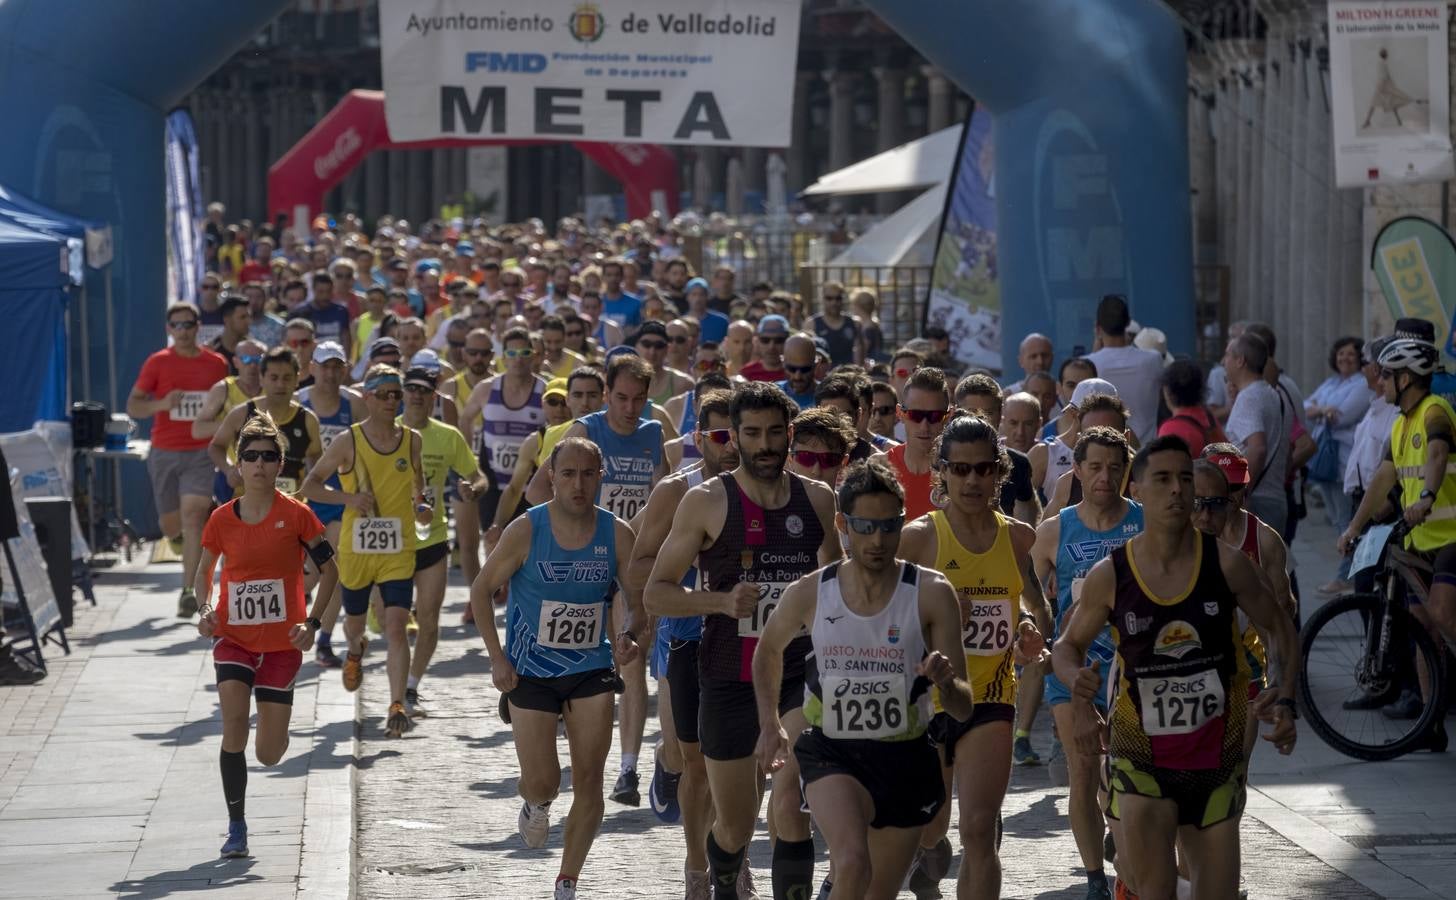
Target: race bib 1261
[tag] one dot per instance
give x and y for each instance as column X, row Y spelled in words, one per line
column 570, row 626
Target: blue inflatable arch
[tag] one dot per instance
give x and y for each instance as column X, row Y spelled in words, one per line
column 1089, row 104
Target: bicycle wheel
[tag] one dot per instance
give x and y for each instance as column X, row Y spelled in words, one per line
column 1341, row 664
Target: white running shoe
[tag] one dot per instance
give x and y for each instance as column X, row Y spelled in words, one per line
column 565, row 889
column 746, row 890
column 534, row 824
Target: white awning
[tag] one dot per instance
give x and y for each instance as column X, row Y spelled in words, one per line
column 893, row 240
column 918, row 164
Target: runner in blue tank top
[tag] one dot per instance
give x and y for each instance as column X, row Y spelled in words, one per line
column 562, row 561
column 336, row 412
column 1070, row 544
column 680, row 777
column 634, row 460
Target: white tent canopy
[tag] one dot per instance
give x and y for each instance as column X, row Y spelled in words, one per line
column 901, row 238
column 918, row 164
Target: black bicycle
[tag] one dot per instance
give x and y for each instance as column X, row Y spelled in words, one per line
column 1361, row 650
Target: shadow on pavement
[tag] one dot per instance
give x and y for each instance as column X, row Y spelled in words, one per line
column 213, row 875
column 149, row 628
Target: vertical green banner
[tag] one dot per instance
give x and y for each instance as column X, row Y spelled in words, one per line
column 1415, row 262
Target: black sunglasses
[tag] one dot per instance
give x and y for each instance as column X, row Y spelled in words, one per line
column 798, row 370
column 964, row 469
column 267, row 456
column 1212, row 504
column 861, row 525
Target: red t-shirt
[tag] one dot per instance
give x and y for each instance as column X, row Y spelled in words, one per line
column 166, row 371
column 757, row 371
column 1195, row 426
column 261, row 592
column 253, row 270
column 916, row 485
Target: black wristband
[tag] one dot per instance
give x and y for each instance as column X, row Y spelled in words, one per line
column 314, row 623
column 1289, row 704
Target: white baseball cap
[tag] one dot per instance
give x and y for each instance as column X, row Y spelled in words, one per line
column 327, row 350
column 1092, row 387
column 426, row 359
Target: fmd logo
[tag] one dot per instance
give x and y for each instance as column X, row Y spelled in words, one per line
column 490, row 61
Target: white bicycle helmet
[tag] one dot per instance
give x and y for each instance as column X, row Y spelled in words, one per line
column 1417, row 357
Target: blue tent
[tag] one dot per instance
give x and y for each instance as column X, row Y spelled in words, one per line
column 33, row 297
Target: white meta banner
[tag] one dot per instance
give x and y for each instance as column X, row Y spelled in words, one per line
column 1389, row 89
column 626, row 71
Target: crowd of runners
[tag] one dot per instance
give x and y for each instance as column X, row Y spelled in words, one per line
column 854, row 574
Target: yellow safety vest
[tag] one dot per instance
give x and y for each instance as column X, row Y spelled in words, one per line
column 1408, row 448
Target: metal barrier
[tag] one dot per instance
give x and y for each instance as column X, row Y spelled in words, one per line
column 901, row 291
column 768, row 248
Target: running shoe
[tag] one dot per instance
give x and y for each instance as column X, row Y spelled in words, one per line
column 411, row 628
column 412, row 704
column 398, row 721
column 746, row 890
column 565, row 889
column 372, row 620
column 534, row 823
column 353, row 669
column 187, row 604
column 930, row 867
column 1099, row 890
column 236, row 846
column 663, row 793
column 1022, row 754
column 326, row 658
column 626, row 792
column 1407, row 706
column 698, row 886
column 1364, row 701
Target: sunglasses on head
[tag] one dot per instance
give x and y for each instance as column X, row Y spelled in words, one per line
column 652, row 345
column 965, row 469
column 718, row 435
column 798, row 370
column 182, row 324
column 388, row 396
column 520, row 353
column 861, row 525
column 824, row 459
column 249, row 359
column 933, row 416
column 1212, row 504
column 267, row 456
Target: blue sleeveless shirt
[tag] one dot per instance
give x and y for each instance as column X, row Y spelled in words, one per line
column 630, row 461
column 1081, row 548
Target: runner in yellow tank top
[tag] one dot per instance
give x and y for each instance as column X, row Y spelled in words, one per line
column 382, row 489
column 987, row 559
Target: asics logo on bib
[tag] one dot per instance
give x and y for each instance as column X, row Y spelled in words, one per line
column 559, row 572
column 573, row 611
column 861, row 688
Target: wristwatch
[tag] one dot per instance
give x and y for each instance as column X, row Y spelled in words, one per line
column 1289, row 704
column 314, row 623
column 1428, row 494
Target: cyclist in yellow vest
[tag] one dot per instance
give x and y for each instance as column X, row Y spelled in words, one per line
column 987, row 559
column 1419, row 460
column 379, row 466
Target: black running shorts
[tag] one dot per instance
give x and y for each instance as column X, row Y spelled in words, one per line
column 728, row 715
column 902, row 777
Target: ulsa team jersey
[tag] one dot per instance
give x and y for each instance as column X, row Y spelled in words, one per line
column 630, row 462
column 1080, row 549
column 1183, row 677
column 988, row 586
column 860, row 681
column 557, row 617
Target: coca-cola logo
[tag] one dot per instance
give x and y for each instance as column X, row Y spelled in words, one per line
column 344, row 146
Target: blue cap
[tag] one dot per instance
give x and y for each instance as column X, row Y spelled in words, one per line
column 773, row 326
column 695, row 283
column 464, row 248
column 426, row 265
column 619, row 350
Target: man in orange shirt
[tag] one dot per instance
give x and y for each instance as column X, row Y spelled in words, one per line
column 927, row 403
column 260, row 627
column 172, row 386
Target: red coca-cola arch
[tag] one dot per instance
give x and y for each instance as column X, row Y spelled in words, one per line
column 355, row 127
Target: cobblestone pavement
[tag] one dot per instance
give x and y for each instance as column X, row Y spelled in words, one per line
column 437, row 811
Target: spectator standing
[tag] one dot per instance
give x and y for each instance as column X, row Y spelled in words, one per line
column 1136, row 373
column 1191, row 420
column 1367, row 449
column 1336, row 408
column 1259, row 426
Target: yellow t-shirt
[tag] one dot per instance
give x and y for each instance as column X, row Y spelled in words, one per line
column 381, row 549
column 988, row 586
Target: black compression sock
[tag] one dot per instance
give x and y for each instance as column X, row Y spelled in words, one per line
column 234, row 768
column 1096, row 877
column 793, row 868
column 723, row 867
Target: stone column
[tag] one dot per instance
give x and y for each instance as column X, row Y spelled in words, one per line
column 892, row 126
column 941, row 99
column 841, row 117
column 797, row 155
